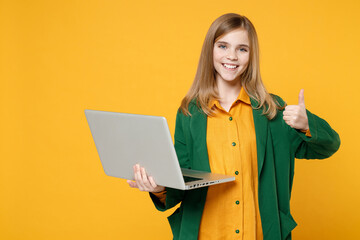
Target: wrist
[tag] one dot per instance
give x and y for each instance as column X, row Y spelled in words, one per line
column 159, row 190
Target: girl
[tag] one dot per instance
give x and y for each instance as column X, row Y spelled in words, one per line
column 228, row 123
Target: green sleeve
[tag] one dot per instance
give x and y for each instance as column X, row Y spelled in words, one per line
column 323, row 143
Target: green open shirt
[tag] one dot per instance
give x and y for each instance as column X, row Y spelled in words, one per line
column 277, row 146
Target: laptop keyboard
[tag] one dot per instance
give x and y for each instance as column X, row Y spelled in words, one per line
column 190, row 179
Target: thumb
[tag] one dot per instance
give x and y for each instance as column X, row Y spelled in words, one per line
column 132, row 184
column 301, row 98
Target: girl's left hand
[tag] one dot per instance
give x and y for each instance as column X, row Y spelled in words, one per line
column 143, row 181
column 295, row 115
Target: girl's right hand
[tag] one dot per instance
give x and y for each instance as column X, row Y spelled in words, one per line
column 144, row 182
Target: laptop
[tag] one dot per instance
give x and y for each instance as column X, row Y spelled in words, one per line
column 123, row 140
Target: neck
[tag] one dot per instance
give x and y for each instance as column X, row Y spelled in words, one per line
column 228, row 90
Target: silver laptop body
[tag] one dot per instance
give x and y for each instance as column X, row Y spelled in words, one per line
column 123, row 140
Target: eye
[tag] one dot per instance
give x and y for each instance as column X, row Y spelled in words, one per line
column 243, row 49
column 222, row 46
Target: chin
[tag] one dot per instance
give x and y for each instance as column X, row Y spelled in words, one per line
column 231, row 79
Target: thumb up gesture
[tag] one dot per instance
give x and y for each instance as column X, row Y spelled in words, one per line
column 295, row 115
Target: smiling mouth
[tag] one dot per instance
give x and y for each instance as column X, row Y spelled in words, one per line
column 230, row 66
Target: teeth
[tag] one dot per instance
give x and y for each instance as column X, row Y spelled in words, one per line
column 230, row 66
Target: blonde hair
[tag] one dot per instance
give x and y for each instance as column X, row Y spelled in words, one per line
column 203, row 88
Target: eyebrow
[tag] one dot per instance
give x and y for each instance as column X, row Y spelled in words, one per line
column 240, row 45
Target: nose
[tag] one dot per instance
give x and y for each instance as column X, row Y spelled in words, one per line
column 231, row 55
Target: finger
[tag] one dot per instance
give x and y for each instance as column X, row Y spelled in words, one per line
column 288, row 118
column 289, row 113
column 132, row 184
column 152, row 182
column 145, row 180
column 291, row 107
column 301, row 98
column 289, row 123
column 134, row 169
column 138, row 178
column 135, row 176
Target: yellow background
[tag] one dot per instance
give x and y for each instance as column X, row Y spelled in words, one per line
column 58, row 58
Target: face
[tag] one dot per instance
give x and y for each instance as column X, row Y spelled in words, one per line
column 231, row 55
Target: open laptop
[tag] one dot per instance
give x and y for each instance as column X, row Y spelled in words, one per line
column 123, row 140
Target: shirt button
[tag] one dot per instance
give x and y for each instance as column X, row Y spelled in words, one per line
column 236, row 172
column 234, row 144
column 237, row 231
column 230, row 118
column 237, row 202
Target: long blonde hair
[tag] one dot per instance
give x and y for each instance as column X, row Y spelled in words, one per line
column 203, row 88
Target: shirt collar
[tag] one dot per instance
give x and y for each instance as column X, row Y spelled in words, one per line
column 243, row 96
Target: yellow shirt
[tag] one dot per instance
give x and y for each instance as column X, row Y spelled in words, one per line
column 231, row 209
